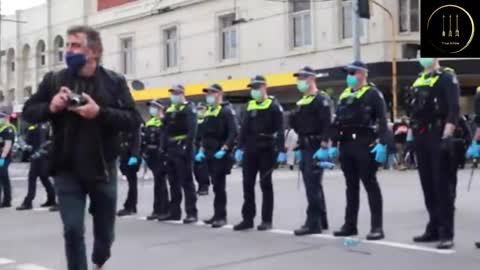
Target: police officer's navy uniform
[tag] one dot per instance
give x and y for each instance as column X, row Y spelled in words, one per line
column 311, row 121
column 181, row 124
column 7, row 133
column 200, row 169
column 435, row 103
column 261, row 138
column 155, row 157
column 130, row 143
column 219, row 133
column 37, row 136
column 358, row 113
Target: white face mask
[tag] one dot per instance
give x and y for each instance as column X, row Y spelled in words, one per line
column 3, row 121
column 153, row 111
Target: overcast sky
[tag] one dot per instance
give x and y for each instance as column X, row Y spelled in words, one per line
column 9, row 6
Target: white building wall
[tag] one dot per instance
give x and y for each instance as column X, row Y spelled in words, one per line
column 264, row 40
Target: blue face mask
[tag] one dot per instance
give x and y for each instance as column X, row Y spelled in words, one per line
column 75, row 61
column 210, row 100
column 175, row 99
column 256, row 94
column 302, row 86
column 426, row 62
column 153, row 111
column 351, row 80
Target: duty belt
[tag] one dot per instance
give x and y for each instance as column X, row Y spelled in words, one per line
column 427, row 126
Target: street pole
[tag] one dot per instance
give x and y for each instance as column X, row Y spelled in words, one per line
column 355, row 31
column 394, row 59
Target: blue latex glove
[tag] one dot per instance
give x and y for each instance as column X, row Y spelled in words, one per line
column 238, row 155
column 282, row 157
column 380, row 151
column 2, row 162
column 220, row 154
column 409, row 139
column 298, row 155
column 332, row 152
column 473, row 150
column 200, row 156
column 321, row 154
column 132, row 161
column 326, row 165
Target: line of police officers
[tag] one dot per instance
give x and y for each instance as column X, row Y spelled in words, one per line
column 358, row 136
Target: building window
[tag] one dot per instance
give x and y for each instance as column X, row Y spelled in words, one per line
column 126, row 55
column 59, row 49
column 41, row 54
column 409, row 15
column 171, row 47
column 301, row 23
column 347, row 20
column 228, row 36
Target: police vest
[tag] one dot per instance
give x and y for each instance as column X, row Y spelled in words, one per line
column 152, row 132
column 176, row 121
column 260, row 117
column 424, row 104
column 2, row 129
column 352, row 111
column 215, row 128
column 304, row 120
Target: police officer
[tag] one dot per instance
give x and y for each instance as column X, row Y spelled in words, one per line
column 37, row 137
column 130, row 157
column 7, row 139
column 200, row 169
column 434, row 111
column 311, row 121
column 360, row 107
column 262, row 142
column 181, row 126
column 216, row 144
column 155, row 157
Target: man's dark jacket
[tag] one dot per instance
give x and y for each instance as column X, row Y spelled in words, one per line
column 84, row 147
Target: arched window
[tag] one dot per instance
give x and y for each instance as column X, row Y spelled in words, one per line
column 26, row 62
column 59, row 49
column 41, row 54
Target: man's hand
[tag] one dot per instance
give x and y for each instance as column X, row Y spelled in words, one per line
column 88, row 111
column 60, row 100
column 448, row 130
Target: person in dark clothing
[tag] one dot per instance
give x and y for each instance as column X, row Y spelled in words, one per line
column 216, row 145
column 360, row 108
column 129, row 165
column 262, row 140
column 156, row 158
column 38, row 138
column 200, row 169
column 462, row 138
column 181, row 127
column 434, row 113
column 88, row 106
column 311, row 121
column 7, row 139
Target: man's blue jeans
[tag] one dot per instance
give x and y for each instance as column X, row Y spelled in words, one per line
column 72, row 195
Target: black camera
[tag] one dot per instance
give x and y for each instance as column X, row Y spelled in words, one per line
column 76, row 100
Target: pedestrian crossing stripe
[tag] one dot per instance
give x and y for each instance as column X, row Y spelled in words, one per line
column 31, row 267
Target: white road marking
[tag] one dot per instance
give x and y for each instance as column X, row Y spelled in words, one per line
column 41, row 209
column 31, row 267
column 5, row 261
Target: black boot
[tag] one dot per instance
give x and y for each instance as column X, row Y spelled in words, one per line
column 54, row 208
column 48, row 203
column 306, row 230
column 218, row 223
column 6, row 205
column 190, row 219
column 209, row 221
column 264, row 226
column 445, row 244
column 244, row 225
column 477, row 244
column 127, row 212
column 202, row 191
column 346, row 231
column 25, row 206
column 153, row 216
column 426, row 237
column 375, row 234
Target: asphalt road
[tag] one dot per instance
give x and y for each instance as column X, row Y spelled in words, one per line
column 33, row 240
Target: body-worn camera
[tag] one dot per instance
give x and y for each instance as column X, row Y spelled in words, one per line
column 76, row 100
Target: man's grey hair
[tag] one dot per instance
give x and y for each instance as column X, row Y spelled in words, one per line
column 94, row 41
